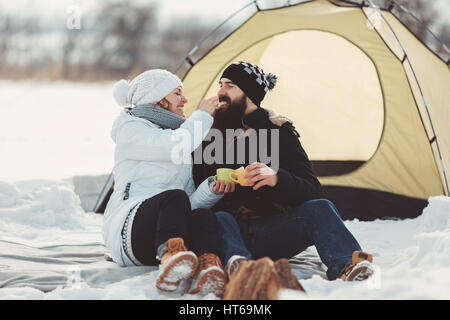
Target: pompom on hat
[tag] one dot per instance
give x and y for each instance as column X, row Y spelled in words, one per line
column 251, row 79
column 151, row 86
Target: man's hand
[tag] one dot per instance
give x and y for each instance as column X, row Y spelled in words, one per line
column 261, row 175
column 223, row 187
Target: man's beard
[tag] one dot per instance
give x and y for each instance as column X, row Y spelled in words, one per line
column 231, row 116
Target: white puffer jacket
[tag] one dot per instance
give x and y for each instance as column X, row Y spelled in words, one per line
column 145, row 157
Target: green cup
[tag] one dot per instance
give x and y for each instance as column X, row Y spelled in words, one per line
column 223, row 174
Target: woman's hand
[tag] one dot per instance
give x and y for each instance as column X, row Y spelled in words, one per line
column 209, row 105
column 261, row 175
column 223, row 187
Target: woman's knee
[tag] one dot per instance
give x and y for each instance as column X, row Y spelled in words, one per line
column 176, row 195
column 203, row 214
column 174, row 203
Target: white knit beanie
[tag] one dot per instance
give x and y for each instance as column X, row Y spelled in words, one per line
column 148, row 87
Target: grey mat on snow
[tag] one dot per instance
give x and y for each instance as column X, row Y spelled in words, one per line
column 47, row 267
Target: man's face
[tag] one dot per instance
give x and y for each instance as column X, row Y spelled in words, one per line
column 232, row 106
column 228, row 93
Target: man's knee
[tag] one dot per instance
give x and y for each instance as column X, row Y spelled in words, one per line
column 319, row 206
column 225, row 217
column 323, row 203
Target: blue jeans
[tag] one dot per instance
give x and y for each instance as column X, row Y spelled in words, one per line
column 315, row 222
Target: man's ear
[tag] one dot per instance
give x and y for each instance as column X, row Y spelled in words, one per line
column 250, row 106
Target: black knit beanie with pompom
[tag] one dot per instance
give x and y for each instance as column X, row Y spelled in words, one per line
column 251, row 79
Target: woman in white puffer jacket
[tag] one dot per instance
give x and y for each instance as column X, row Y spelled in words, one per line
column 155, row 213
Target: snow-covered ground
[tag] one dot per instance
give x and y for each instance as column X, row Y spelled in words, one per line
column 51, row 132
column 57, row 130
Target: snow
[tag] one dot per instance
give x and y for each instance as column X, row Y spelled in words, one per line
column 411, row 257
column 64, row 128
column 52, row 132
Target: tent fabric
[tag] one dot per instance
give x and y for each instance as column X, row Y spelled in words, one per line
column 348, row 85
column 369, row 205
column 434, row 78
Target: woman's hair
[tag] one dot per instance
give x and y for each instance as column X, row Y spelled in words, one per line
column 163, row 100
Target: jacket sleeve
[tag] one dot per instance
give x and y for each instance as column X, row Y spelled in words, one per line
column 297, row 182
column 138, row 141
column 203, row 196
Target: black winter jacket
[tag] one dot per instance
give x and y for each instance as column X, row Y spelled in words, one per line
column 296, row 180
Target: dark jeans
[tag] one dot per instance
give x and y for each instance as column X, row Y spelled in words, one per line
column 169, row 215
column 315, row 222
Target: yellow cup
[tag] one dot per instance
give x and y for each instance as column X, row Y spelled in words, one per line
column 223, row 174
column 237, row 176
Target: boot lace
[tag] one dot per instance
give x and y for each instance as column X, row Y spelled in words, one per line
column 207, row 260
column 176, row 245
column 348, row 269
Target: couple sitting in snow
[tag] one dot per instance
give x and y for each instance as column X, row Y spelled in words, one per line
column 181, row 216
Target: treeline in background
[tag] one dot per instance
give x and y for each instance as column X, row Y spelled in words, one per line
column 123, row 38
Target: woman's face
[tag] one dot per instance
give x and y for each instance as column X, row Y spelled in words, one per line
column 174, row 102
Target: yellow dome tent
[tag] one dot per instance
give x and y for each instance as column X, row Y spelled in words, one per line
column 370, row 100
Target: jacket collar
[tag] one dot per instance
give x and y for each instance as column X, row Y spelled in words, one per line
column 257, row 119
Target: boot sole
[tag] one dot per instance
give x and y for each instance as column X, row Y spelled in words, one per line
column 211, row 281
column 180, row 267
column 362, row 272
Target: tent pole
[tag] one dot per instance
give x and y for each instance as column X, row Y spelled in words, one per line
column 256, row 4
column 391, row 6
column 210, row 33
column 99, row 199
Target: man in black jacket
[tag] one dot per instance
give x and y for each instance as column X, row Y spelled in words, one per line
column 284, row 212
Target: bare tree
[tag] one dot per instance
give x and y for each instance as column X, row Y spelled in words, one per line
column 5, row 30
column 180, row 37
column 121, row 39
column 124, row 27
column 420, row 17
column 424, row 11
column 444, row 35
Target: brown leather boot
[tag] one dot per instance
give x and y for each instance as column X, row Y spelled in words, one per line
column 233, row 265
column 210, row 277
column 261, row 280
column 360, row 269
column 177, row 264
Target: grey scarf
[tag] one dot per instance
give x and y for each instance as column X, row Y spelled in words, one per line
column 157, row 115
